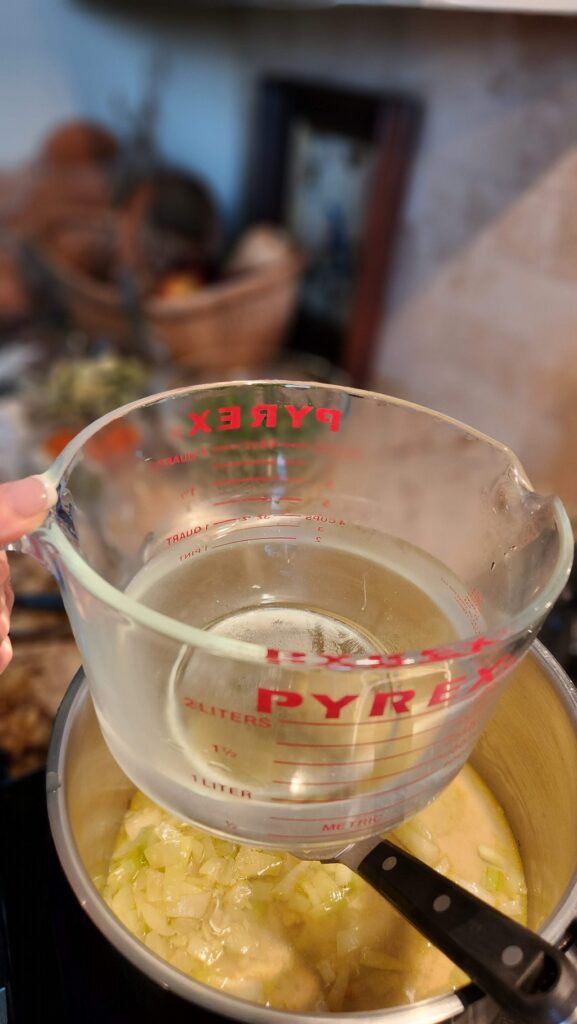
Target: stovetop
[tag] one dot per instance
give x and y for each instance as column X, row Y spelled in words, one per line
column 54, row 963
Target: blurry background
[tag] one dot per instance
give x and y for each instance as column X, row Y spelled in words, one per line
column 383, row 196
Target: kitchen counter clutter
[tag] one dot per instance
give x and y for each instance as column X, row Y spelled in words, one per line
column 45, row 660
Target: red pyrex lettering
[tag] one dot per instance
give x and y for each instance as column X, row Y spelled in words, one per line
column 397, row 701
column 267, row 700
column 230, row 417
column 392, row 661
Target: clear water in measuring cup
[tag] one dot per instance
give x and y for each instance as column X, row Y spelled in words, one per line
column 357, row 594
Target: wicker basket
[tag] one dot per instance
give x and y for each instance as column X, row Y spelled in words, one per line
column 239, row 321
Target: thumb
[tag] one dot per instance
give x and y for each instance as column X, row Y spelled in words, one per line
column 23, row 505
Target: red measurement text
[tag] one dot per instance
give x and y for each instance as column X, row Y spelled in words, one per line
column 226, row 713
column 192, row 531
column 368, row 821
column 435, row 654
column 221, row 787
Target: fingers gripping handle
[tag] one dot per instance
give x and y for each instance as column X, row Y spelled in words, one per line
column 24, row 504
column 517, row 968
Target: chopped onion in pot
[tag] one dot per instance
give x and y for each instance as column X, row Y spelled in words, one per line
column 301, row 935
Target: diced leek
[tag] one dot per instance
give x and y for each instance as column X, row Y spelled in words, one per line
column 299, row 903
column 286, row 885
column 126, row 847
column 139, row 800
column 343, row 875
column 185, row 925
column 211, row 868
column 124, row 871
column 491, row 856
column 512, row 908
column 297, row 989
column 494, row 879
column 167, row 830
column 252, row 863
column 418, row 844
column 158, row 944
column 238, row 895
column 244, row 988
column 181, row 959
column 326, row 969
column 347, row 940
column 261, row 890
column 475, row 889
column 239, row 939
column 192, row 905
column 296, row 935
column 310, row 889
column 196, row 850
column 326, row 886
column 381, row 961
column 515, row 885
column 154, row 884
column 135, row 823
column 124, row 907
column 199, row 948
column 228, row 873
column 336, row 994
column 167, row 852
column 154, row 918
column 123, row 900
column 208, row 844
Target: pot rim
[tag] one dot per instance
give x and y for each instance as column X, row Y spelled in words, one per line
column 428, row 1011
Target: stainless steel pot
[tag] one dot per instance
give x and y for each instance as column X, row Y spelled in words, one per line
column 527, row 755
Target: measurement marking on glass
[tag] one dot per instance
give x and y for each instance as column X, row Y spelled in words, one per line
column 241, row 501
column 370, row 812
column 269, row 526
column 323, row 835
column 344, row 800
column 332, row 801
column 331, row 817
column 384, row 792
column 359, row 743
column 246, row 462
column 367, row 760
column 247, row 540
column 258, row 462
column 258, row 480
column 269, row 444
column 221, row 522
column 376, row 778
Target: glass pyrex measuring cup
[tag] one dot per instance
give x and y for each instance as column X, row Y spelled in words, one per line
column 296, row 604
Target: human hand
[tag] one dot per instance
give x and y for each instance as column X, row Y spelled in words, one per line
column 23, row 506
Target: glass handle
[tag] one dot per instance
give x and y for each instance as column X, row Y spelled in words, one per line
column 516, row 967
